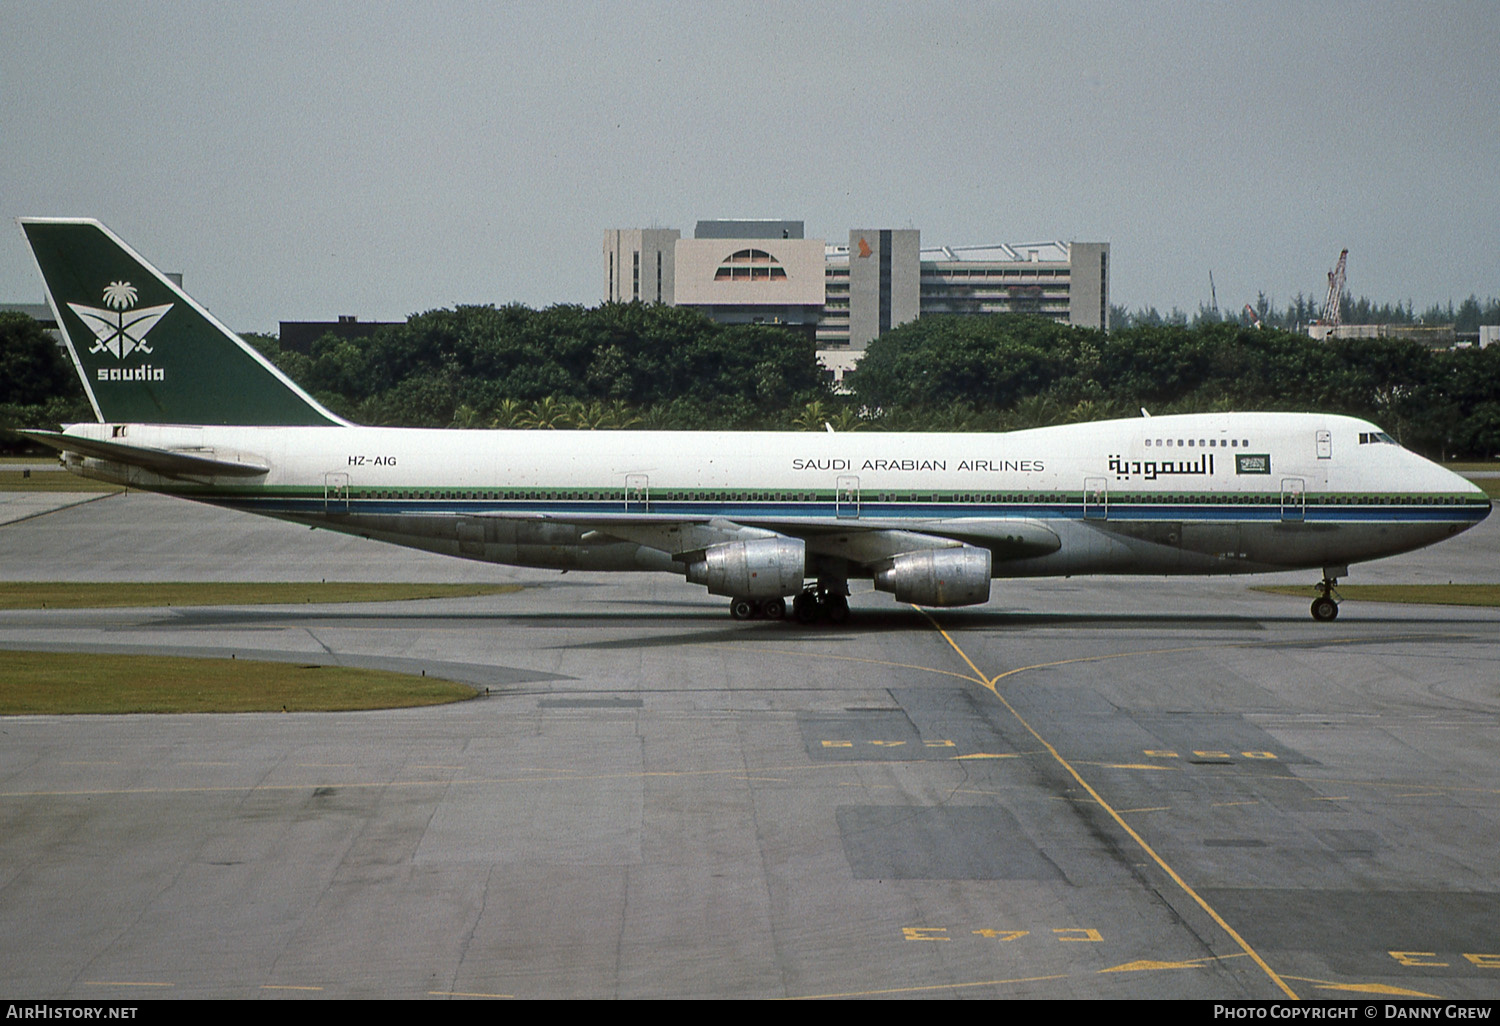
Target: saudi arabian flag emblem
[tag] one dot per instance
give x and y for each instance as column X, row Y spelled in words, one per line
column 119, row 330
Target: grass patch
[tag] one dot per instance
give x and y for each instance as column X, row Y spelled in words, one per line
column 69, row 682
column 1417, row 594
column 1490, row 486
column 95, row 595
column 52, row 481
column 1462, row 466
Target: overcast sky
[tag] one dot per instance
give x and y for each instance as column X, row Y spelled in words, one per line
column 303, row 160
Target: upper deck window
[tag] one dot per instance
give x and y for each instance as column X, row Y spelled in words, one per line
column 1220, row 443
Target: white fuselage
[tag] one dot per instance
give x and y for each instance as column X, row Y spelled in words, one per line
column 1200, row 493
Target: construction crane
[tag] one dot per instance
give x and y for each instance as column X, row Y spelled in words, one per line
column 1332, row 315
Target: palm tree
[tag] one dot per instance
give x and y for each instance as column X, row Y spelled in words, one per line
column 547, row 412
column 845, row 419
column 506, row 413
column 814, row 417
column 590, row 416
column 622, row 415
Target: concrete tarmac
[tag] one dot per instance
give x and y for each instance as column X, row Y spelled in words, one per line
column 1089, row 788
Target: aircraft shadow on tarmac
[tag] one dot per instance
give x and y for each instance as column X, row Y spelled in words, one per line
column 652, row 623
column 912, row 622
column 861, row 620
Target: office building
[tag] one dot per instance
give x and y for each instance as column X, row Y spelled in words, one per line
column 846, row 296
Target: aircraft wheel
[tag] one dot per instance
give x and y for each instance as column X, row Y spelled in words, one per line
column 742, row 609
column 838, row 608
column 1325, row 609
column 774, row 609
column 806, row 608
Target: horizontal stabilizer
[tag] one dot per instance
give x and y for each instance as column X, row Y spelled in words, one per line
column 168, row 462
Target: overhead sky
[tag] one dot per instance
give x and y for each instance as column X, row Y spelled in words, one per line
column 297, row 161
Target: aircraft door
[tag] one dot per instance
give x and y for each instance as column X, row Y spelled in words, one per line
column 1293, row 498
column 637, row 493
column 1325, row 445
column 1095, row 498
column 336, row 493
column 846, row 496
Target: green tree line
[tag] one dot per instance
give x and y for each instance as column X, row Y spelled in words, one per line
column 1303, row 310
column 1005, row 372
column 616, row 365
column 651, row 366
column 38, row 386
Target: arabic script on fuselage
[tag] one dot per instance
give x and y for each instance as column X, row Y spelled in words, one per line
column 1150, row 470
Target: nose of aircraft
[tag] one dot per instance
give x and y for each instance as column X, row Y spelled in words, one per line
column 1471, row 484
column 1422, row 475
column 1477, row 500
column 1488, row 504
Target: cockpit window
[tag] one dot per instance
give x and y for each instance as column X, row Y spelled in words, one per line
column 1376, row 438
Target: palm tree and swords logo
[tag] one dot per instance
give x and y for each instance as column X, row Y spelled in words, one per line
column 120, row 330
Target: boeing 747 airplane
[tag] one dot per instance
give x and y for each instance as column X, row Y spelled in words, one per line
column 187, row 408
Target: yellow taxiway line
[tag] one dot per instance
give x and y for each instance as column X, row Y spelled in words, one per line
column 990, row 685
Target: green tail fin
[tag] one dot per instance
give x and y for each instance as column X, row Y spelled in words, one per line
column 146, row 352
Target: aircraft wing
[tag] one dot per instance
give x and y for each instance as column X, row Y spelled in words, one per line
column 863, row 542
column 167, row 462
column 870, row 540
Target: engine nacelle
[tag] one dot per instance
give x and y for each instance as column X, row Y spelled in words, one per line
column 939, row 577
column 762, row 568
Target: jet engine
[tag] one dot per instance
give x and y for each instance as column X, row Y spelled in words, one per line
column 758, row 569
column 939, row 577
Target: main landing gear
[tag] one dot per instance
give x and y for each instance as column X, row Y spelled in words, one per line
column 1325, row 608
column 814, row 603
column 819, row 602
column 757, row 609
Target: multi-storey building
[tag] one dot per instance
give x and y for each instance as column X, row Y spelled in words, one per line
column 846, row 296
